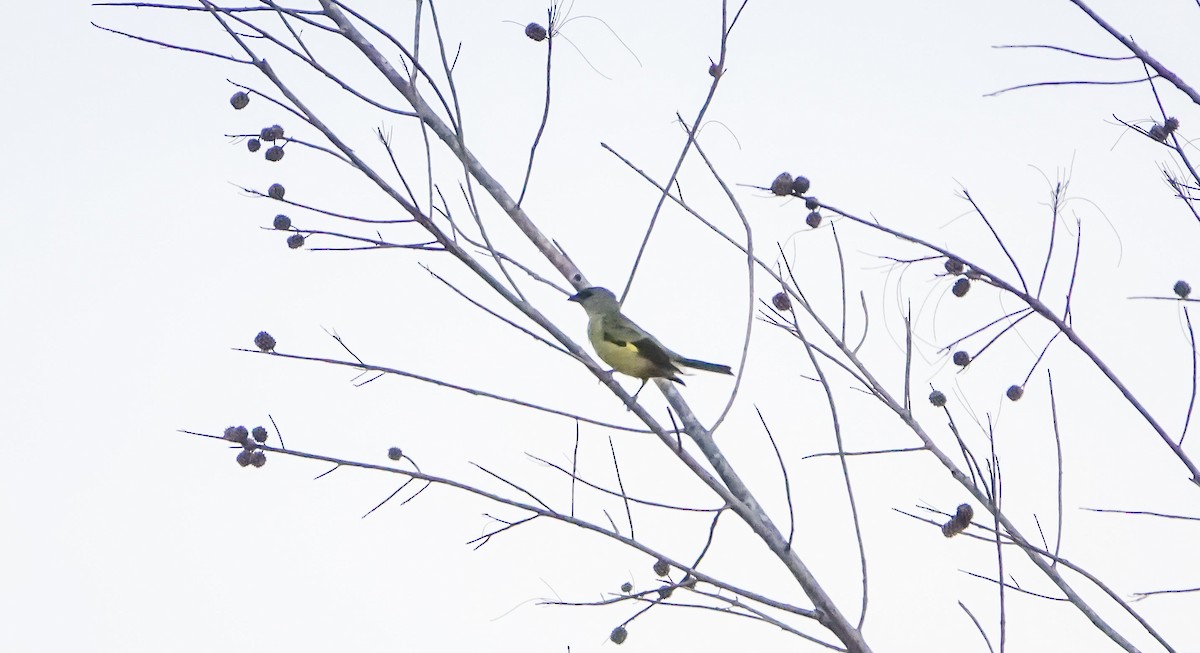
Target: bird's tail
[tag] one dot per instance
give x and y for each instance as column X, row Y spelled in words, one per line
column 707, row 367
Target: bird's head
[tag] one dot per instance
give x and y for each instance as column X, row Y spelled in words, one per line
column 596, row 300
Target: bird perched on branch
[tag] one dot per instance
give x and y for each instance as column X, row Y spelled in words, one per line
column 627, row 347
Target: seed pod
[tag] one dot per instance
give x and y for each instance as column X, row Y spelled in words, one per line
column 258, row 459
column 661, row 568
column 259, row 434
column 800, row 186
column 782, row 185
column 264, row 341
column 282, row 222
column 781, row 302
column 811, row 203
column 274, row 153
column 535, row 32
column 1182, row 289
column 395, row 453
column 962, row 358
column 955, row 266
column 1014, row 392
column 618, row 635
column 272, row 133
column 239, row 100
column 961, row 287
column 626, row 587
column 714, row 70
column 253, row 144
column 275, row 191
column 295, row 241
column 236, row 434
column 960, row 521
column 813, row 220
column 937, row 398
column 243, row 458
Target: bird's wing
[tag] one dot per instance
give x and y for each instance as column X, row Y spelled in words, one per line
column 621, row 331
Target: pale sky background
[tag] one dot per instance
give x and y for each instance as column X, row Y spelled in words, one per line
column 132, row 265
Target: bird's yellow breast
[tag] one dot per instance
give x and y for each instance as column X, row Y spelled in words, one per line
column 626, row 358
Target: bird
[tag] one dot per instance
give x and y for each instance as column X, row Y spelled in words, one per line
column 629, row 348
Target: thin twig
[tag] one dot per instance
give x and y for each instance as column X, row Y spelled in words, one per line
column 1187, row 420
column 978, row 626
column 1003, row 248
column 545, row 112
column 574, row 467
column 787, row 484
column 444, row 384
column 1069, row 51
column 1065, row 83
column 1144, row 513
column 513, row 485
column 712, row 535
column 1059, row 463
column 837, row 434
column 621, row 485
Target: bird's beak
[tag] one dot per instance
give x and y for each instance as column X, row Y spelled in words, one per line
column 575, row 298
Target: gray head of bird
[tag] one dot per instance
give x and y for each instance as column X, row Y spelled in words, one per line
column 596, row 300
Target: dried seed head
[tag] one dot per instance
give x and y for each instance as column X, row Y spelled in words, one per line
column 800, row 185
column 626, row 587
column 962, row 358
column 394, row 453
column 253, row 144
column 618, row 635
column 282, row 222
column 961, row 287
column 243, row 458
column 259, row 434
column 781, row 302
column 274, row 153
column 960, row 521
column 275, row 191
column 661, row 568
column 295, row 241
column 535, row 32
column 1171, row 125
column 1158, row 133
column 782, row 185
column 1014, row 392
column 236, row 434
column 937, row 398
column 272, row 133
column 955, row 266
column 665, row 593
column 1182, row 289
column 811, row 203
column 264, row 341
column 813, row 219
column 258, row 459
column 239, row 100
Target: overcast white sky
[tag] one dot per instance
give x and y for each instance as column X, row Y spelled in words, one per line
column 132, row 265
